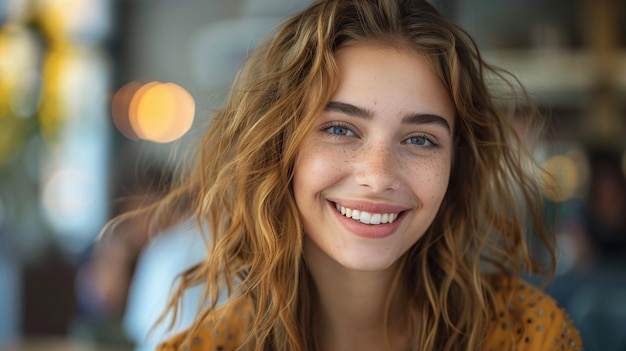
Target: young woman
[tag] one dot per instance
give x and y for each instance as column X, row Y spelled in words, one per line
column 364, row 190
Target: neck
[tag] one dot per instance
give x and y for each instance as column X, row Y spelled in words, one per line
column 353, row 310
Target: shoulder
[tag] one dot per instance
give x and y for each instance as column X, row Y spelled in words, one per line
column 526, row 318
column 221, row 329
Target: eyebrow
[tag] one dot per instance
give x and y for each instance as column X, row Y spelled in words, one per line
column 412, row 118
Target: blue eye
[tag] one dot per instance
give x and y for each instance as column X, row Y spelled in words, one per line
column 421, row 140
column 417, row 140
column 339, row 130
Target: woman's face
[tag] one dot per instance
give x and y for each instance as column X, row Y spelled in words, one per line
column 371, row 174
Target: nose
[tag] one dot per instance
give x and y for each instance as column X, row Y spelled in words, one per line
column 377, row 167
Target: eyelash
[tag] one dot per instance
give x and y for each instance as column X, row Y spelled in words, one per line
column 328, row 128
column 427, row 138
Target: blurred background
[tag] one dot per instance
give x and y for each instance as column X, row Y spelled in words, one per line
column 99, row 98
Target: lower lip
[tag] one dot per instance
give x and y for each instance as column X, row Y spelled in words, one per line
column 369, row 231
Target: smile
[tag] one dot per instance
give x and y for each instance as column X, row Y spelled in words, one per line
column 367, row 217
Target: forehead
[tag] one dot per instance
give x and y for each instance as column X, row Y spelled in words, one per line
column 377, row 76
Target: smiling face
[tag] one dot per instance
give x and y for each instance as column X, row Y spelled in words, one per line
column 371, row 174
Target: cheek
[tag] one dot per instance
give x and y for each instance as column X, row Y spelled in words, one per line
column 432, row 179
column 443, row 177
column 316, row 167
column 306, row 180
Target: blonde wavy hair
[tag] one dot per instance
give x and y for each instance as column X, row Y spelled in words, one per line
column 240, row 185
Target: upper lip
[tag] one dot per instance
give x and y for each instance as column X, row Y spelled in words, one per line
column 368, row 206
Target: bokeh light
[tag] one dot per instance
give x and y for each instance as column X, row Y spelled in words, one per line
column 54, row 109
column 133, row 108
column 560, row 177
column 18, row 65
column 583, row 168
column 79, row 20
column 67, row 207
column 120, row 106
column 18, row 88
column 158, row 112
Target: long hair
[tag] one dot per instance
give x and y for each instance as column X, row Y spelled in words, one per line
column 240, row 187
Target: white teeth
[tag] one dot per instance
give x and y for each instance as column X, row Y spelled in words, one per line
column 366, row 217
column 385, row 218
column 376, row 217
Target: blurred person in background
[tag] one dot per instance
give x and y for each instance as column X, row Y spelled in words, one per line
column 104, row 279
column 605, row 217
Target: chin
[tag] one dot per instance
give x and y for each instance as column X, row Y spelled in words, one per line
column 366, row 264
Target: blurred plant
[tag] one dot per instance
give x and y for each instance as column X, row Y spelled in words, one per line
column 30, row 104
column 19, row 93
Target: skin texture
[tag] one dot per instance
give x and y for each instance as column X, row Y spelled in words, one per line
column 384, row 144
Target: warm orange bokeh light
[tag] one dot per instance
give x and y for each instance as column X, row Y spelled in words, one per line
column 159, row 112
column 133, row 107
column 155, row 111
column 120, row 109
column 185, row 111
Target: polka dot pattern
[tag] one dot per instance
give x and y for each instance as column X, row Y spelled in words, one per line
column 526, row 319
column 215, row 333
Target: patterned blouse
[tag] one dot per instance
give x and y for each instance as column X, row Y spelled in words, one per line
column 547, row 328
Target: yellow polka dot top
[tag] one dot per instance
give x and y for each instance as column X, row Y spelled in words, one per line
column 546, row 326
